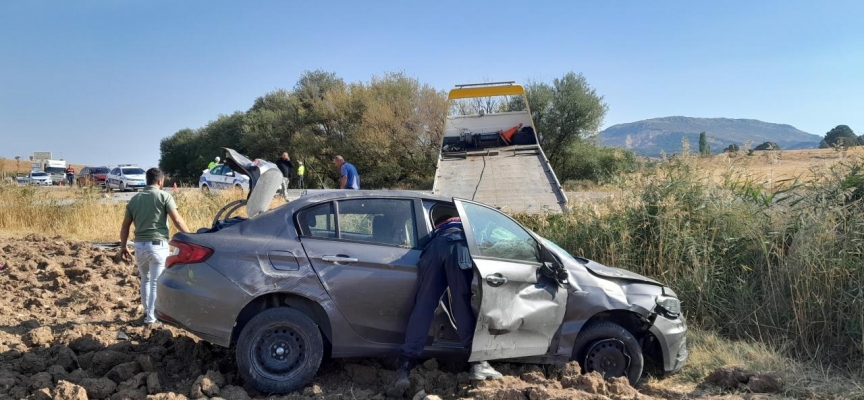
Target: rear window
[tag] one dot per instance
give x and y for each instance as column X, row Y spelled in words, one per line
column 99, row 170
column 133, row 171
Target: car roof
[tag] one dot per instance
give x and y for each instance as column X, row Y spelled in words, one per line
column 317, row 196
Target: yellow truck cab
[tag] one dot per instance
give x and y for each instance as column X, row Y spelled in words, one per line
column 490, row 151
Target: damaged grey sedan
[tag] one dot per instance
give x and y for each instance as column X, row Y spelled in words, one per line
column 334, row 272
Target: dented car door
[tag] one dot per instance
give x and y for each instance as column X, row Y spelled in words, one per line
column 520, row 308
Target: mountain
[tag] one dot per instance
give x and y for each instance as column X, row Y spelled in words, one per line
column 651, row 136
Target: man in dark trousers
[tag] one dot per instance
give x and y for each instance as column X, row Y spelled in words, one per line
column 445, row 262
column 286, row 167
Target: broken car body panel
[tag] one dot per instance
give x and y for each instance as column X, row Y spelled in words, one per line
column 519, row 310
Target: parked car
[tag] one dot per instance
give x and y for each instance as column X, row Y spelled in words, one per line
column 338, row 269
column 126, row 177
column 39, row 178
column 222, row 177
column 92, row 176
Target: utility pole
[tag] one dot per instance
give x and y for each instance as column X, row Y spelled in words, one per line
column 17, row 165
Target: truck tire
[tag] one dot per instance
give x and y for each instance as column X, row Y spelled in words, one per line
column 609, row 349
column 279, row 350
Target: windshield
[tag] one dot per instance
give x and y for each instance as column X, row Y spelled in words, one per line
column 556, row 248
column 133, row 171
column 55, row 170
column 99, row 170
column 39, row 174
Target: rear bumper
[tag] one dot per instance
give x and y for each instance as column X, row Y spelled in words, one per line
column 672, row 337
column 200, row 300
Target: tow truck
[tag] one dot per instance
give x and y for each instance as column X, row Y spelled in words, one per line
column 490, row 151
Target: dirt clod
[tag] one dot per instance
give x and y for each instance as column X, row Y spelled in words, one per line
column 41, row 380
column 729, row 378
column 153, row 385
column 123, row 371
column 765, row 383
column 69, row 391
column 99, row 388
column 207, row 385
column 234, row 392
column 39, row 337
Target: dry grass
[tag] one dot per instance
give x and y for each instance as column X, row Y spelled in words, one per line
column 708, row 351
column 88, row 214
column 774, row 166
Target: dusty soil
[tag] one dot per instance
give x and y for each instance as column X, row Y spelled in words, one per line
column 70, row 328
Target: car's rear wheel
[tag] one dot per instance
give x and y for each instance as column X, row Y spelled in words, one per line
column 609, row 349
column 279, row 350
column 205, row 188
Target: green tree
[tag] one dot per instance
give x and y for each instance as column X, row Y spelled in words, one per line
column 841, row 134
column 704, row 147
column 566, row 112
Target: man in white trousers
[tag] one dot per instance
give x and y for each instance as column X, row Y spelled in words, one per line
column 149, row 210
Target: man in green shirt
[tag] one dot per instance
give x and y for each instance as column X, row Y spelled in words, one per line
column 149, row 210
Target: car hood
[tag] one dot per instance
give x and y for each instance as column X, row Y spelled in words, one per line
column 594, row 267
column 614, row 273
column 264, row 179
column 136, row 177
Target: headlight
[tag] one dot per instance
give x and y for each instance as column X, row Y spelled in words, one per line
column 671, row 305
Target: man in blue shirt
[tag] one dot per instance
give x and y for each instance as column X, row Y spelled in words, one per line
column 349, row 179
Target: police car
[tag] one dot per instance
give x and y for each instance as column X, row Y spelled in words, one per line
column 126, row 177
column 221, row 177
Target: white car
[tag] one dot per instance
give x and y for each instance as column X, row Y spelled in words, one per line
column 221, row 177
column 39, row 178
column 126, row 177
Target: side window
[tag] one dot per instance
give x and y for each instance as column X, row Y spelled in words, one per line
column 384, row 221
column 317, row 221
column 498, row 236
column 84, row 171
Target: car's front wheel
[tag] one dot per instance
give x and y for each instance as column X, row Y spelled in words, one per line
column 279, row 350
column 609, row 349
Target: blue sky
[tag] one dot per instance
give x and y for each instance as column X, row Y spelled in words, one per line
column 103, row 81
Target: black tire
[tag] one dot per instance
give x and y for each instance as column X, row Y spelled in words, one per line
column 205, row 188
column 268, row 332
column 609, row 349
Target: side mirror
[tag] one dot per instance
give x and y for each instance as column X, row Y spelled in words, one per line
column 230, row 173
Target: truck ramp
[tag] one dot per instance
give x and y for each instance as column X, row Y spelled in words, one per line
column 514, row 179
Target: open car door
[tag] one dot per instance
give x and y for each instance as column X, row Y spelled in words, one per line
column 521, row 308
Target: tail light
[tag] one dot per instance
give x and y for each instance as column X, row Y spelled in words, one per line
column 187, row 253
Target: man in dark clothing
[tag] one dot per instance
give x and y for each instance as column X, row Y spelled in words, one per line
column 286, row 167
column 445, row 262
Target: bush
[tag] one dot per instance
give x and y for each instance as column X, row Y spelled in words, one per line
column 767, row 146
column 587, row 161
column 783, row 265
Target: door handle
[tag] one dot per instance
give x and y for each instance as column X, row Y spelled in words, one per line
column 496, row 280
column 339, row 258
